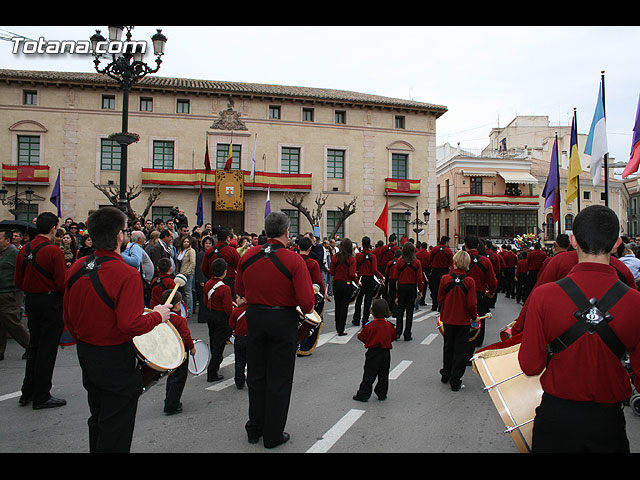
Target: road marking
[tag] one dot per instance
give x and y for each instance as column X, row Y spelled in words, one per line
column 402, row 366
column 424, row 316
column 334, row 433
column 9, row 396
column 429, row 339
column 350, row 332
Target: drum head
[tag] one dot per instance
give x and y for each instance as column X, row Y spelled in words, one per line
column 199, row 363
column 161, row 348
column 184, row 311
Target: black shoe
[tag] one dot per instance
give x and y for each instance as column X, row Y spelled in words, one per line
column 382, row 397
column 342, row 334
column 360, row 399
column 24, row 400
column 253, row 440
column 214, row 378
column 283, row 439
column 355, row 323
column 51, row 403
column 434, row 308
column 406, row 339
column 173, row 411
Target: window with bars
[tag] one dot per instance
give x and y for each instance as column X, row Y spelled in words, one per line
column 163, row 154
column 222, row 152
column 335, row 163
column 28, row 150
column 399, row 164
column 110, row 154
column 290, row 160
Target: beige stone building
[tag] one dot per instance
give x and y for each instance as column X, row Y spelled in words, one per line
column 497, row 193
column 336, row 144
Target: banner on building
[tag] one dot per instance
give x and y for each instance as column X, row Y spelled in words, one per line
column 230, row 190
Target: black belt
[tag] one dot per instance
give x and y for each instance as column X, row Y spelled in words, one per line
column 270, row 307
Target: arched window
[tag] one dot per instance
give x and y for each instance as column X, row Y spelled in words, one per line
column 568, row 222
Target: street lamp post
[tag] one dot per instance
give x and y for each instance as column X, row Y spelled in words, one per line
column 417, row 221
column 28, row 194
column 126, row 68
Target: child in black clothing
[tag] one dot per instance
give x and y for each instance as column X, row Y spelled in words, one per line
column 377, row 336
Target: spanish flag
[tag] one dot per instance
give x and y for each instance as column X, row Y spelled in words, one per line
column 575, row 168
column 227, row 166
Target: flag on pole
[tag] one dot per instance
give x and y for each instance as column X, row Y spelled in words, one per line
column 253, row 159
column 199, row 213
column 227, row 166
column 267, row 207
column 596, row 145
column 383, row 220
column 207, row 162
column 575, row 168
column 550, row 191
column 634, row 160
column 56, row 197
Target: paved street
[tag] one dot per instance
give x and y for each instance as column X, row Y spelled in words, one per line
column 419, row 415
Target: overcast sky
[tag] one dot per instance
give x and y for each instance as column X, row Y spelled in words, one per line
column 485, row 76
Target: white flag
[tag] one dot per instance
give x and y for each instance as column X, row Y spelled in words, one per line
column 596, row 145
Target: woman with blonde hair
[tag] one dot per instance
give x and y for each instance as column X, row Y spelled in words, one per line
column 186, row 259
column 458, row 309
column 408, row 273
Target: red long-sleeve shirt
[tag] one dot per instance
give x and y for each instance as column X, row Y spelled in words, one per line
column 457, row 308
column 226, row 251
column 510, row 259
column 342, row 272
column 486, row 280
column 90, row 320
column 587, row 370
column 51, row 259
column 263, row 284
column 220, row 299
column 407, row 275
column 367, row 264
column 162, row 282
column 314, row 271
column 378, row 333
column 441, row 256
column 535, row 259
column 238, row 320
column 180, row 323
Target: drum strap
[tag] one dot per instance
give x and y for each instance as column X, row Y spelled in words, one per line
column 90, row 268
column 30, row 257
column 457, row 281
column 408, row 265
column 593, row 317
column 213, row 289
column 268, row 250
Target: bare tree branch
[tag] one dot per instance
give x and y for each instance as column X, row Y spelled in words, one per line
column 112, row 192
column 346, row 211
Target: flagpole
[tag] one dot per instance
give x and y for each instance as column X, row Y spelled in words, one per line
column 575, row 123
column 606, row 155
column 558, row 174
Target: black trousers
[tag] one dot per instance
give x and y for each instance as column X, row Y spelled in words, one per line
column 365, row 295
column 341, row 293
column 219, row 333
column 377, row 362
column 407, row 293
column 530, row 282
column 272, row 342
column 567, row 426
column 113, row 384
column 456, row 352
column 176, row 382
column 45, row 324
column 434, row 284
column 510, row 282
column 483, row 309
column 240, row 355
column 521, row 279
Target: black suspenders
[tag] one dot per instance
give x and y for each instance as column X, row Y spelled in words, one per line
column 90, row 268
column 269, row 251
column 593, row 317
column 30, row 258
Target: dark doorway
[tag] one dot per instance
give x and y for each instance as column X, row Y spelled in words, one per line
column 232, row 220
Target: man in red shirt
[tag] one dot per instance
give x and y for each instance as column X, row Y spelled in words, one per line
column 441, row 258
column 223, row 249
column 584, row 381
column 103, row 310
column 274, row 280
column 535, row 259
column 366, row 268
column 510, row 262
column 39, row 272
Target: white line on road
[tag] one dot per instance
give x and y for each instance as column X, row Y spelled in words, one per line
column 429, row 339
column 401, row 367
column 334, row 433
column 9, row 396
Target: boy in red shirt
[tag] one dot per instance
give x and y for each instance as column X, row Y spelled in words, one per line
column 164, row 281
column 377, row 336
column 178, row 378
column 238, row 325
column 219, row 305
column 458, row 308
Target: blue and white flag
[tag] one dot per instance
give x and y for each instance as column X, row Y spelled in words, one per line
column 267, row 207
column 596, row 146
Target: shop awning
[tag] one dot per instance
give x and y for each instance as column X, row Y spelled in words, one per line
column 518, row 177
column 478, row 173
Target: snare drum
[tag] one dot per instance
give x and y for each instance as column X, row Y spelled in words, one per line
column 506, row 332
column 514, row 394
column 308, row 322
column 199, row 363
column 160, row 352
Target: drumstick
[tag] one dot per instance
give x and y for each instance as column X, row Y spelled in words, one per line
column 180, row 281
column 488, row 315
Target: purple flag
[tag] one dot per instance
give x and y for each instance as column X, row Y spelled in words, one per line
column 552, row 185
column 56, row 197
